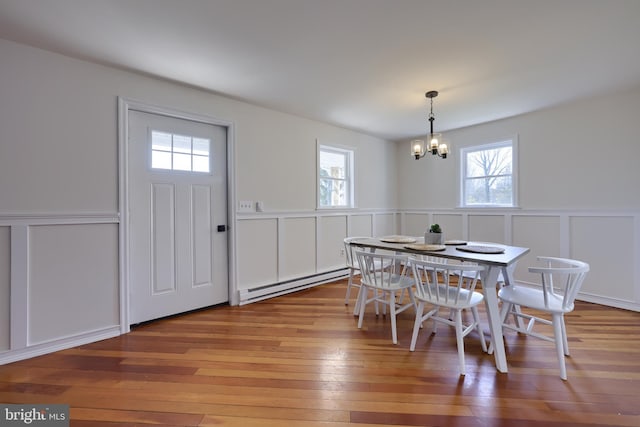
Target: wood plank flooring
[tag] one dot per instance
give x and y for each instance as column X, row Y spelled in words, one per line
column 299, row 360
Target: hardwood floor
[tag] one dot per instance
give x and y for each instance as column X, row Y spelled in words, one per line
column 299, row 360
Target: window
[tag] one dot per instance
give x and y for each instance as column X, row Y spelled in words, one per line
column 335, row 177
column 179, row 152
column 488, row 176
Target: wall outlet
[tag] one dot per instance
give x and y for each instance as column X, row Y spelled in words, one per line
column 342, row 252
column 246, row 206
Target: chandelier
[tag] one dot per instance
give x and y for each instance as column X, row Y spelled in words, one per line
column 434, row 144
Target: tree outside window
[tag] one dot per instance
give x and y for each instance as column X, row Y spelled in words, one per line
column 488, row 175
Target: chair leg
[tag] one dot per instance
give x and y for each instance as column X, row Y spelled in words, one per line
column 363, row 303
column 412, row 298
column 460, row 340
column 401, row 297
column 505, row 309
column 435, row 324
column 349, row 284
column 356, row 306
column 416, row 325
column 362, row 294
column 516, row 311
column 392, row 313
column 557, row 331
column 565, row 342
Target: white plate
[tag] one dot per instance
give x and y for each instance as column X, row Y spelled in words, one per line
column 481, row 249
column 427, row 248
column 398, row 239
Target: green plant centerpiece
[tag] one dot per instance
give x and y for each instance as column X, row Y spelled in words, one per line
column 434, row 236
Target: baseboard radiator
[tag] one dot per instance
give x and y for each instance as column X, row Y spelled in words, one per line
column 248, row 296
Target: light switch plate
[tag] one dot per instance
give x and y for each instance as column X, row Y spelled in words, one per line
column 246, row 206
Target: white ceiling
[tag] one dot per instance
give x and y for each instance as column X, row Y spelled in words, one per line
column 360, row 64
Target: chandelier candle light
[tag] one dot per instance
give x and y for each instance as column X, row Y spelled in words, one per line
column 434, row 143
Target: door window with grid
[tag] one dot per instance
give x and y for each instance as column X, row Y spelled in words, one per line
column 179, row 152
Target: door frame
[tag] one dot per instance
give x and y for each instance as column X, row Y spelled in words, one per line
column 125, row 105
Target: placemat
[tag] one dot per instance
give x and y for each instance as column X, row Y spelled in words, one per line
column 428, row 248
column 398, row 239
column 455, row 242
column 481, row 249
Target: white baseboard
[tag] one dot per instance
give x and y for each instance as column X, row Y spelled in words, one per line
column 57, row 345
column 609, row 302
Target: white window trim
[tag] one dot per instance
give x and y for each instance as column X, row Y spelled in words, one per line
column 350, row 175
column 515, row 171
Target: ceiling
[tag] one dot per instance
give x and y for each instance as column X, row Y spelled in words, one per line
column 359, row 64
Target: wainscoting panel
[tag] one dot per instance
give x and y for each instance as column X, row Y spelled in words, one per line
column 607, row 244
column 451, row 225
column 385, row 224
column 5, row 287
column 542, row 234
column 73, row 277
column 59, row 281
column 415, row 224
column 486, row 228
column 257, row 247
column 297, row 248
column 331, row 233
column 360, row 225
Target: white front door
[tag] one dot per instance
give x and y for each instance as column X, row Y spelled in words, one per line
column 177, row 215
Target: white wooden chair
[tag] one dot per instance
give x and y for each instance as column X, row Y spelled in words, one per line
column 561, row 280
column 385, row 283
column 354, row 269
column 434, row 286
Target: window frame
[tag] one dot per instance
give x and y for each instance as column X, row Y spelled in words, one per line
column 511, row 141
column 349, row 180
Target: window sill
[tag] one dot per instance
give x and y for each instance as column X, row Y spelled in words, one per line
column 335, row 208
column 490, row 208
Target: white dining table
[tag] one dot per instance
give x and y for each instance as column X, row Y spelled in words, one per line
column 495, row 264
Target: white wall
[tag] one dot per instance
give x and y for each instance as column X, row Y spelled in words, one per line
column 578, row 191
column 59, row 210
